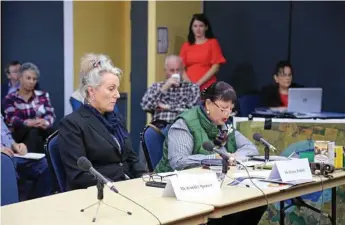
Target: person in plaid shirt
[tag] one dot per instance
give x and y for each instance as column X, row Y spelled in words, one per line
column 165, row 100
column 28, row 112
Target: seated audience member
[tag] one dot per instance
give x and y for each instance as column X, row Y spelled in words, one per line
column 169, row 98
column 11, row 72
column 28, row 112
column 96, row 132
column 276, row 95
column 87, row 63
column 208, row 123
column 33, row 170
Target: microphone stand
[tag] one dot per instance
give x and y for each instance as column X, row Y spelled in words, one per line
column 267, row 154
column 225, row 168
column 100, row 196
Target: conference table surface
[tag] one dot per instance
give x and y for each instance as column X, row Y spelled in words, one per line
column 65, row 208
column 234, row 199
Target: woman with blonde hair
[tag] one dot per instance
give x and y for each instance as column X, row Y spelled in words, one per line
column 87, row 63
column 95, row 131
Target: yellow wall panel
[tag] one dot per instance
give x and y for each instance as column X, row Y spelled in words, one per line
column 103, row 27
column 175, row 15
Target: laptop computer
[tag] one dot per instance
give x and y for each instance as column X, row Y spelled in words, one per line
column 305, row 100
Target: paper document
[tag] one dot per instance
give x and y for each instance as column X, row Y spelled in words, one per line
column 253, row 163
column 30, row 155
column 254, row 174
column 259, row 183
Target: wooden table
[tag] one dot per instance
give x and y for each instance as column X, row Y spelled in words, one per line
column 234, row 199
column 64, row 209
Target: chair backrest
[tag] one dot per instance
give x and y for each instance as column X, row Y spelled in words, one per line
column 152, row 139
column 248, row 103
column 74, row 103
column 299, row 147
column 9, row 187
column 55, row 163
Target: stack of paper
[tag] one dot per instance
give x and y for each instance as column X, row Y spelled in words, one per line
column 30, row 155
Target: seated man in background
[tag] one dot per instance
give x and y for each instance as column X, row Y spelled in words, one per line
column 11, row 71
column 169, row 98
column 277, row 95
column 27, row 169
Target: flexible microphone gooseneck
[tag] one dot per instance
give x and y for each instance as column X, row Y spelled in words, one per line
column 258, row 137
column 85, row 165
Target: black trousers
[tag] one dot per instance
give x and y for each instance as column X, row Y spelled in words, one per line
column 33, row 138
column 248, row 217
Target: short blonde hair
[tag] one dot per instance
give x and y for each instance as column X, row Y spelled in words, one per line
column 92, row 60
column 92, row 68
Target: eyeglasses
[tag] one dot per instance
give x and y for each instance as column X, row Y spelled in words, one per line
column 224, row 111
column 155, row 177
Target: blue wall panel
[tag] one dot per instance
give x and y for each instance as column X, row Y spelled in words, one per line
column 33, row 31
column 254, row 36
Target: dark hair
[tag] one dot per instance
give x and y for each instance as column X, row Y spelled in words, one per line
column 200, row 17
column 219, row 91
column 13, row 63
column 281, row 65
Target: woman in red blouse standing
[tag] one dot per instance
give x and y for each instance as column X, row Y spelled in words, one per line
column 201, row 55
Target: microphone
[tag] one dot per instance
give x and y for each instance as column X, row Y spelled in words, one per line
column 85, row 165
column 258, row 137
column 212, row 148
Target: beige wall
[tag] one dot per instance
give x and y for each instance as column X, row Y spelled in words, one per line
column 103, row 27
column 175, row 15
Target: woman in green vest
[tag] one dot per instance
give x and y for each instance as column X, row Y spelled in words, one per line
column 208, row 122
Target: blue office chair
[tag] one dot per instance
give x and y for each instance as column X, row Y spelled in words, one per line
column 76, row 104
column 248, row 103
column 55, row 163
column 299, row 147
column 9, row 187
column 152, row 139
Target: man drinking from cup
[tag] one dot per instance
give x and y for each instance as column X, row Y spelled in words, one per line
column 167, row 99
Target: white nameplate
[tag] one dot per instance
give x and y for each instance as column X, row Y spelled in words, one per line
column 291, row 171
column 190, row 187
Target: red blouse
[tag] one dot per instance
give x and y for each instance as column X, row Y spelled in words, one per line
column 284, row 99
column 199, row 58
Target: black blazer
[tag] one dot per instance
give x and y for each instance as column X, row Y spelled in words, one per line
column 270, row 96
column 82, row 134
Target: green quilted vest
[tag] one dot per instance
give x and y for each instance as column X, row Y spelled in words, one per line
column 202, row 130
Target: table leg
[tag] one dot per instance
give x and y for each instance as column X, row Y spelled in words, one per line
column 282, row 213
column 334, row 206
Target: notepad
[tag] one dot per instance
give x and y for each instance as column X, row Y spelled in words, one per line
column 30, row 155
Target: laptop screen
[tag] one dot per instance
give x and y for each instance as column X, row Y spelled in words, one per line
column 306, row 100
